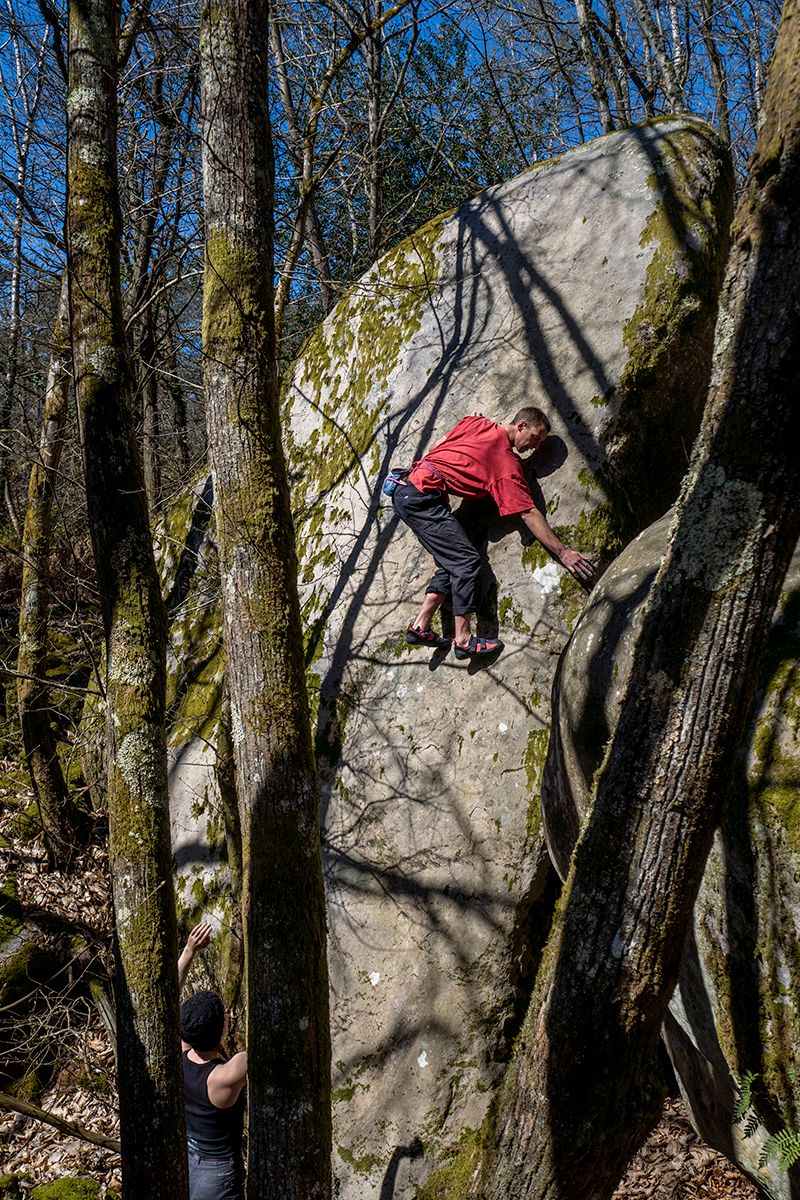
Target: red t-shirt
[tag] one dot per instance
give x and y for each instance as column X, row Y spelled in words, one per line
column 475, row 459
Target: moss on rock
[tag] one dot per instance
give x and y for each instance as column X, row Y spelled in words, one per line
column 10, row 1187
column 669, row 338
column 27, row 824
column 70, row 1188
column 350, row 359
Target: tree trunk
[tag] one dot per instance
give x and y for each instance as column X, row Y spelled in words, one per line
column 374, row 181
column 283, row 895
column 579, row 1096
column 316, row 235
column 150, row 1083
column 22, row 139
column 593, row 69
column 151, row 424
column 174, row 389
column 655, row 42
column 55, row 807
column 716, row 68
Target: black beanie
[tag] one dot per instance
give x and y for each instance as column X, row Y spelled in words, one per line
column 202, row 1020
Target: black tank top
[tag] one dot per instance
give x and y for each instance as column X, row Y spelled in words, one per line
column 216, row 1132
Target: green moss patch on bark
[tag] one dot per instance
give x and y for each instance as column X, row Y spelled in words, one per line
column 237, row 295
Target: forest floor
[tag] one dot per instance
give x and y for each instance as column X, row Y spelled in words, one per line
column 673, row 1164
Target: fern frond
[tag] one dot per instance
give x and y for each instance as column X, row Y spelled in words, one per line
column 751, row 1124
column 784, row 1147
column 745, row 1086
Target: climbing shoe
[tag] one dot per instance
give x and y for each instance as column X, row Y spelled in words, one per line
column 426, row 637
column 478, row 647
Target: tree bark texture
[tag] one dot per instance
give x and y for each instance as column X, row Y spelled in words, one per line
column 150, row 1080
column 374, row 57
column 716, row 68
column 151, row 418
column 593, row 69
column 579, row 1097
column 56, row 810
column 655, row 40
column 288, row 1036
column 22, row 139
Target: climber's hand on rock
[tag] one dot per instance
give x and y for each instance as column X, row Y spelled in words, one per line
column 577, row 564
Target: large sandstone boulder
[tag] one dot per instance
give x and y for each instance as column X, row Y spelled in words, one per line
column 587, row 285
column 735, row 1009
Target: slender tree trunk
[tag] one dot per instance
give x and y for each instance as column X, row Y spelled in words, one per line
column 594, row 71
column 12, row 358
column 150, row 1083
column 316, row 236
column 27, row 94
column 283, row 895
column 374, row 56
column 232, row 967
column 55, row 807
column 679, row 57
column 151, row 426
column 175, row 391
column 655, row 43
column 14, row 327
column 716, row 68
column 579, row 1096
column 617, row 37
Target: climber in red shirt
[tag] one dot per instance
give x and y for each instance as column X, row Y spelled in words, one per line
column 477, row 458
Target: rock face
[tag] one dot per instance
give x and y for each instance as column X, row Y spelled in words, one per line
column 736, row 1005
column 586, row 286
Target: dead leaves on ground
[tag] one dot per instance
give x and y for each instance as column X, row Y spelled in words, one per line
column 674, row 1164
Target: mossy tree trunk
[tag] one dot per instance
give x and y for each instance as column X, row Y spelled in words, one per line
column 150, row 1082
column 288, row 1038
column 56, row 809
column 579, row 1095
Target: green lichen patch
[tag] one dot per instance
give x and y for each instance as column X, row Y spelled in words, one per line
column 533, row 763
column 534, row 556
column 454, row 1179
column 347, row 362
column 363, row 1164
column 775, row 780
column 511, row 617
column 573, row 598
column 338, row 394
column 197, row 694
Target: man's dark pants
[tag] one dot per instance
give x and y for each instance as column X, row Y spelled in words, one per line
column 428, row 516
column 215, row 1178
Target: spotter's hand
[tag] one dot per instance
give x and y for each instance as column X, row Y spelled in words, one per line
column 199, row 937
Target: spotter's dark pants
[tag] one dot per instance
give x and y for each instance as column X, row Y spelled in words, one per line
column 459, row 562
column 215, row 1178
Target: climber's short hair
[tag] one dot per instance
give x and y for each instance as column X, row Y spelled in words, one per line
column 533, row 417
column 203, row 1020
